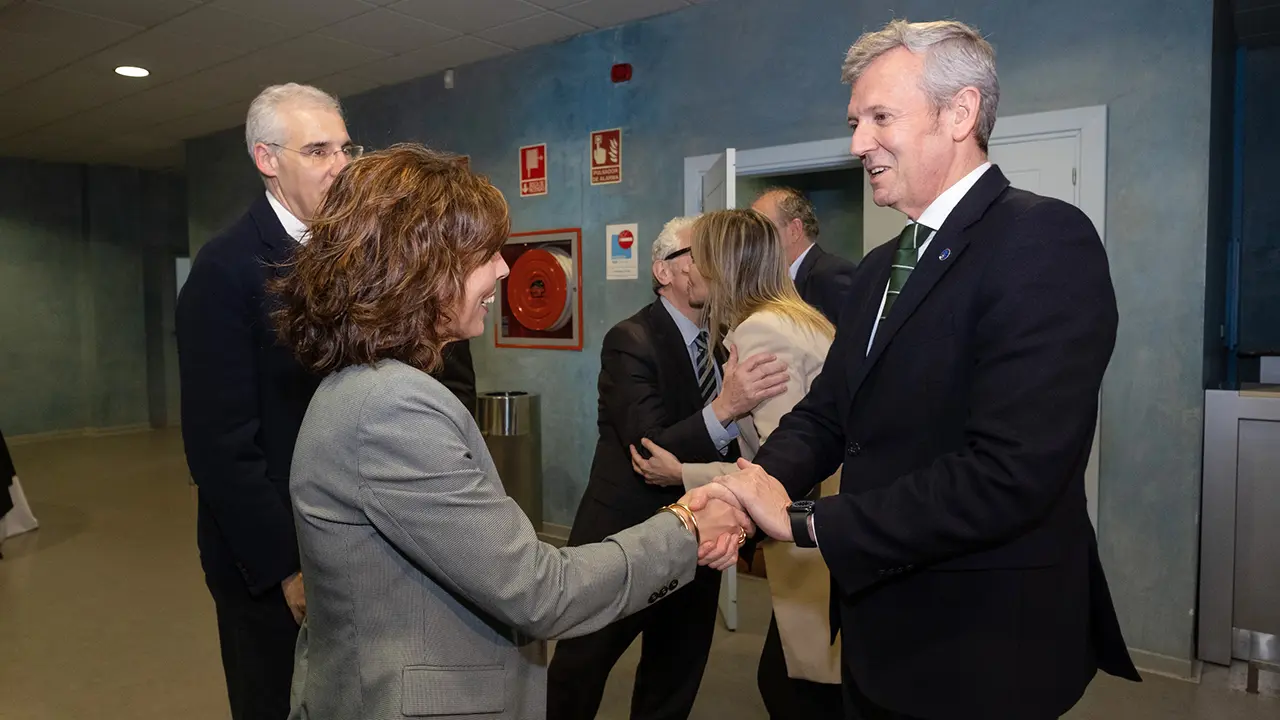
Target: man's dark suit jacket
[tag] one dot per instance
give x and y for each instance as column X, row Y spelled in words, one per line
column 823, row 280
column 243, row 399
column 966, row 575
column 647, row 389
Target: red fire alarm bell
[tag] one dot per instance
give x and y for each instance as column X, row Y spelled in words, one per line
column 621, row 72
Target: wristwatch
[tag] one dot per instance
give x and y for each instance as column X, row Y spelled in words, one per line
column 800, row 512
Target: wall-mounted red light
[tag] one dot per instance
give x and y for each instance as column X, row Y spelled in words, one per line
column 621, row 72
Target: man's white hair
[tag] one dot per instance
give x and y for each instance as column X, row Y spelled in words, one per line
column 667, row 242
column 955, row 57
column 262, row 125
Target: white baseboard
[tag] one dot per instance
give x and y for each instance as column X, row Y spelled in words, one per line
column 53, row 435
column 1156, row 664
column 554, row 534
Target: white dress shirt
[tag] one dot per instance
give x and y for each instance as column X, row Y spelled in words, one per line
column 795, row 266
column 720, row 435
column 292, row 225
column 933, row 217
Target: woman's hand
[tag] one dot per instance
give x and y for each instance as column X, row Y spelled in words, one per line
column 722, row 525
column 662, row 468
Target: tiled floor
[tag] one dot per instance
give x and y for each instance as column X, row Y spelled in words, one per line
column 104, row 614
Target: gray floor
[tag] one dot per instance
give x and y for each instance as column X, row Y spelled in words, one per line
column 103, row 612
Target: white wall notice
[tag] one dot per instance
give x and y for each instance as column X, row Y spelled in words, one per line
column 622, row 261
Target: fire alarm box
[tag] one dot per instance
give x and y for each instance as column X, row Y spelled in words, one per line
column 540, row 300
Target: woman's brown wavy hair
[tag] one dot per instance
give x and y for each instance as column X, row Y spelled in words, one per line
column 389, row 251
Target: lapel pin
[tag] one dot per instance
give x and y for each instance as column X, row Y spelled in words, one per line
column 946, row 253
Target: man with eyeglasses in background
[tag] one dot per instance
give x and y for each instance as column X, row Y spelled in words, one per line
column 244, row 397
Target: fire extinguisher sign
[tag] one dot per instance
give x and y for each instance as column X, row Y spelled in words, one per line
column 533, row 170
column 606, row 157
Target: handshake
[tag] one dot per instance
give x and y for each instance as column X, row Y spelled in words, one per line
column 730, row 509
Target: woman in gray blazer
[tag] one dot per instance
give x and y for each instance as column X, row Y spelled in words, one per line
column 428, row 591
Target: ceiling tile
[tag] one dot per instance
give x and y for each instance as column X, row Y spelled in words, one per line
column 544, row 28
column 351, row 82
column 72, row 89
column 392, row 70
column 166, row 55
column 297, row 15
column 388, row 31
column 302, row 59
column 220, row 27
column 608, row 13
column 202, row 123
column 26, row 57
column 448, row 54
column 137, row 12
column 17, row 118
column 468, row 16
column 63, row 27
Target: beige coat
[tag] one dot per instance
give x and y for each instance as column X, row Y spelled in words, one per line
column 799, row 581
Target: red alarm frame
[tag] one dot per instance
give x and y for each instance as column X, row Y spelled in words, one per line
column 508, row 331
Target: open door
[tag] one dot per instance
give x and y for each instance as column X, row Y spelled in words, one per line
column 719, row 192
column 720, row 183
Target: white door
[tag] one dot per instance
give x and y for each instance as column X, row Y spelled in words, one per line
column 720, row 183
column 719, row 192
column 1050, row 167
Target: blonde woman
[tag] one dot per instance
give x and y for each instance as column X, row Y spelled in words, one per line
column 753, row 306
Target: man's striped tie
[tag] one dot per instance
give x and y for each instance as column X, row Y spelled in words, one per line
column 904, row 261
column 706, row 369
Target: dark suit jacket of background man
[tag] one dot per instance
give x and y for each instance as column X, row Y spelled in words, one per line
column 243, row 399
column 647, row 388
column 823, row 280
column 966, row 574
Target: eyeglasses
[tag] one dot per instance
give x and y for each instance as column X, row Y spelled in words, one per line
column 322, row 154
column 678, row 253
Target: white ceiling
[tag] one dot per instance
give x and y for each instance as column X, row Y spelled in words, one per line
column 60, row 99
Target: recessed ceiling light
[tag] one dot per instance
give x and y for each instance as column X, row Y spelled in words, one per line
column 131, row 71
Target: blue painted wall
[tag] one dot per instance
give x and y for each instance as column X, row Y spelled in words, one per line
column 74, row 242
column 755, row 73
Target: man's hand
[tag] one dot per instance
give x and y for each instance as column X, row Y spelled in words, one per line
column 295, row 597
column 722, row 524
column 747, row 383
column 662, row 468
column 763, row 497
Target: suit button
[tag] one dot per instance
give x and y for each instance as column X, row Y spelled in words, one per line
column 653, row 598
column 674, row 584
column 853, row 449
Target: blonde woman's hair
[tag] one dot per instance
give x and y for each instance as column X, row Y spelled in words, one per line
column 741, row 256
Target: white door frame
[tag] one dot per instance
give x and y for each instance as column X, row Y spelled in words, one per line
column 1087, row 123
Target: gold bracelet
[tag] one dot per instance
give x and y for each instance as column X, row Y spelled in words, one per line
column 697, row 535
column 683, row 521
column 686, row 518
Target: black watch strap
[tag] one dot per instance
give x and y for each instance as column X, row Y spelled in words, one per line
column 800, row 512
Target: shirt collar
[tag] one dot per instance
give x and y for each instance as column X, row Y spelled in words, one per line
column 936, row 214
column 688, row 329
column 292, row 225
column 795, row 266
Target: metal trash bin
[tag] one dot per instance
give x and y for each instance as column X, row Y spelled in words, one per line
column 511, row 423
